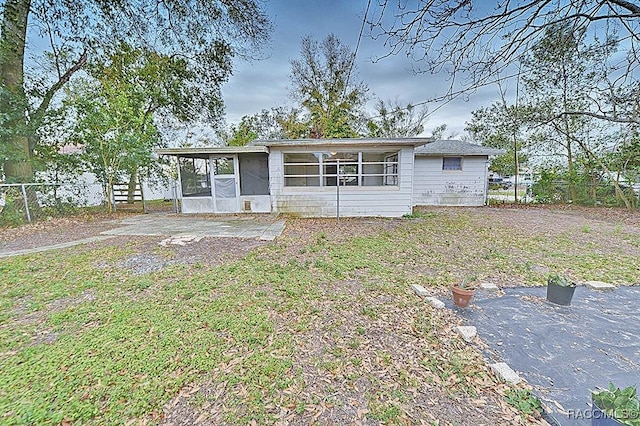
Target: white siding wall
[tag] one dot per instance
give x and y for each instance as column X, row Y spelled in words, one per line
column 434, row 186
column 354, row 201
column 197, row 205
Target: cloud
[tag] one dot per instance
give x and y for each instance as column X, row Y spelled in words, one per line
column 264, row 84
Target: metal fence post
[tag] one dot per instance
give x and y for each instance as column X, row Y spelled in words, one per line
column 26, row 202
column 338, row 190
column 175, row 197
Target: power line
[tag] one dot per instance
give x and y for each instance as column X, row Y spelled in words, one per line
column 355, row 52
column 449, row 97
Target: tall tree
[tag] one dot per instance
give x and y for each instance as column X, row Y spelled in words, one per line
column 116, row 108
column 207, row 34
column 325, row 83
column 115, row 132
column 501, row 126
column 562, row 76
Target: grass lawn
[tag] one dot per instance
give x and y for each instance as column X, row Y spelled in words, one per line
column 320, row 326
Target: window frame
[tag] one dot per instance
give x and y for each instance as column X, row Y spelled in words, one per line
column 450, row 170
column 197, row 179
column 349, row 178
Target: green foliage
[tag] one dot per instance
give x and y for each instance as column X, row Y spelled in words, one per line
column 12, row 212
column 584, row 185
column 469, row 282
column 197, row 40
column 393, row 120
column 115, row 110
column 525, row 402
column 276, row 123
column 559, row 280
column 621, row 404
column 501, row 126
column 547, row 187
column 242, row 134
column 324, row 82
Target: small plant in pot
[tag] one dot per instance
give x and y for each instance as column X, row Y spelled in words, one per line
column 463, row 292
column 560, row 289
column 615, row 407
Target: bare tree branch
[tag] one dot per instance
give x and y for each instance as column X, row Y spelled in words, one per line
column 64, row 79
column 473, row 41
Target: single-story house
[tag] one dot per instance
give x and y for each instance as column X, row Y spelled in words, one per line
column 330, row 177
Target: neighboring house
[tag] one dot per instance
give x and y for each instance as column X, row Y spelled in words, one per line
column 451, row 173
column 377, row 177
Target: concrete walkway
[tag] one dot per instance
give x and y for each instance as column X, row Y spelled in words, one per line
column 177, row 226
column 55, row 246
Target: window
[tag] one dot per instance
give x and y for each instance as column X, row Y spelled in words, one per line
column 391, row 170
column 351, row 168
column 452, row 163
column 223, row 166
column 301, row 170
column 194, row 174
column 348, row 168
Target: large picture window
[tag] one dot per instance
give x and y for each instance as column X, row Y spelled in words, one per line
column 195, row 178
column 349, row 168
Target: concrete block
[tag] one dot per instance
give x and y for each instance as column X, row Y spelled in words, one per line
column 468, row 332
column 435, row 302
column 599, row 285
column 505, row 372
column 419, row 290
column 489, row 287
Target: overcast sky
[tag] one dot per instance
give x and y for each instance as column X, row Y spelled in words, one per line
column 264, row 84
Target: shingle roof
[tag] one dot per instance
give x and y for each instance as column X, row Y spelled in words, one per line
column 455, row 147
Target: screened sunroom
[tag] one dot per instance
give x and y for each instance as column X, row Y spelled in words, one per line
column 223, row 179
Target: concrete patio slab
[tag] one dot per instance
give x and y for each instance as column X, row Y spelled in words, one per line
column 177, row 225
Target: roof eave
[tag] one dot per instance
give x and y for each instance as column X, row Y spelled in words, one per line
column 212, row 150
column 343, row 142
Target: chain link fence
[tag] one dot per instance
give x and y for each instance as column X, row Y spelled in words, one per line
column 562, row 192
column 28, row 202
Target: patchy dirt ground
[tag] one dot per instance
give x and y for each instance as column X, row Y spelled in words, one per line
column 531, row 220
column 380, row 337
column 150, row 256
column 56, row 231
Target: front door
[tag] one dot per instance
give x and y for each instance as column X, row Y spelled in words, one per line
column 225, row 184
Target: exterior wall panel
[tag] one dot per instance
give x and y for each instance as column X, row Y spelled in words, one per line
column 391, row 201
column 433, row 186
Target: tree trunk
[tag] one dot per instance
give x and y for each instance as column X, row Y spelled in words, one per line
column 131, row 189
column 573, row 193
column 12, row 44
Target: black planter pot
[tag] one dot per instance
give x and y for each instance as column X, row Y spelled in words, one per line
column 599, row 418
column 560, row 295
